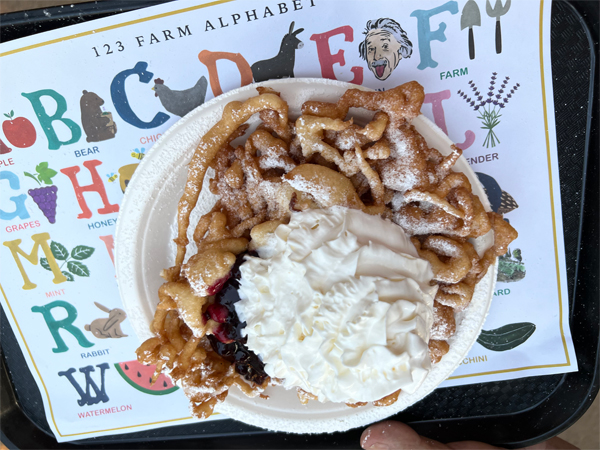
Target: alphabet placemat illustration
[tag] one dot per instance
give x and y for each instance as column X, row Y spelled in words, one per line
column 83, row 105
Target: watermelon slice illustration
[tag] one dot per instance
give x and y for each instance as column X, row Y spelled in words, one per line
column 140, row 377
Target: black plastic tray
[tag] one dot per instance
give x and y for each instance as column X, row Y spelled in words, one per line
column 509, row 413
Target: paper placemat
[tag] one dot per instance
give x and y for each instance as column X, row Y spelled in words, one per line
column 83, row 104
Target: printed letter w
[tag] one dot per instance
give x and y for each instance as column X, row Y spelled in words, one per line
column 86, row 397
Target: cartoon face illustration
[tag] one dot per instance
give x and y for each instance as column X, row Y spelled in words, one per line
column 385, row 44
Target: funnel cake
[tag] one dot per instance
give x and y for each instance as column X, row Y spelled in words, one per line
column 322, row 159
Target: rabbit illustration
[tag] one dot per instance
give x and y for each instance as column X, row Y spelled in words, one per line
column 110, row 327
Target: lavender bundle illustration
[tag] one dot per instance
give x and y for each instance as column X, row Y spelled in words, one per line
column 490, row 106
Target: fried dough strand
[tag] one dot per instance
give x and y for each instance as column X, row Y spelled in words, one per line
column 235, row 114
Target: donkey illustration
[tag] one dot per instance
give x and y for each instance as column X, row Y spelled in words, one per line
column 281, row 65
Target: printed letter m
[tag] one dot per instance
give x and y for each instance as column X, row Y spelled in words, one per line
column 86, row 397
column 39, row 240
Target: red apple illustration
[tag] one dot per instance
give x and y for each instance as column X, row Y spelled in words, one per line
column 19, row 131
column 4, row 148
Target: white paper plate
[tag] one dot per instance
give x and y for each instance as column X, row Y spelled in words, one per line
column 146, row 227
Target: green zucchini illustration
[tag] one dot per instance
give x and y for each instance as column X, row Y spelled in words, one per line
column 511, row 266
column 506, row 337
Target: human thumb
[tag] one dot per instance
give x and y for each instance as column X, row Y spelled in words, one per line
column 398, row 436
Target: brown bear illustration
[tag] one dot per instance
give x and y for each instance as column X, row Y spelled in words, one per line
column 98, row 125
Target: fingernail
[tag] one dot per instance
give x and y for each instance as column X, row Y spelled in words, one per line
column 379, row 446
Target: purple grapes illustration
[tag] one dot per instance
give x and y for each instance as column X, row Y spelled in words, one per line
column 489, row 106
column 44, row 196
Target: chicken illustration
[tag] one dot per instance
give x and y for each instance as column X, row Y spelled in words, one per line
column 180, row 102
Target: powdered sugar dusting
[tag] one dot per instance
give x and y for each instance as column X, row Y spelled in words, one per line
column 321, row 193
column 402, row 172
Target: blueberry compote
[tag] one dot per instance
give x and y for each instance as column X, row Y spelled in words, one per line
column 227, row 339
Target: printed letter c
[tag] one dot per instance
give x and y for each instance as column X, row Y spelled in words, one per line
column 119, row 97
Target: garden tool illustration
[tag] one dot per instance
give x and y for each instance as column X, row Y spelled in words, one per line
column 497, row 12
column 470, row 18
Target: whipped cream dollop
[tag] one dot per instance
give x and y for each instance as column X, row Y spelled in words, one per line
column 339, row 304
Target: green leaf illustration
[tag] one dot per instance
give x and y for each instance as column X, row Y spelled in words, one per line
column 68, row 276
column 79, row 269
column 517, row 255
column 12, row 113
column 82, row 252
column 27, row 174
column 6, row 115
column 44, row 263
column 45, row 174
column 59, row 251
column 506, row 337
